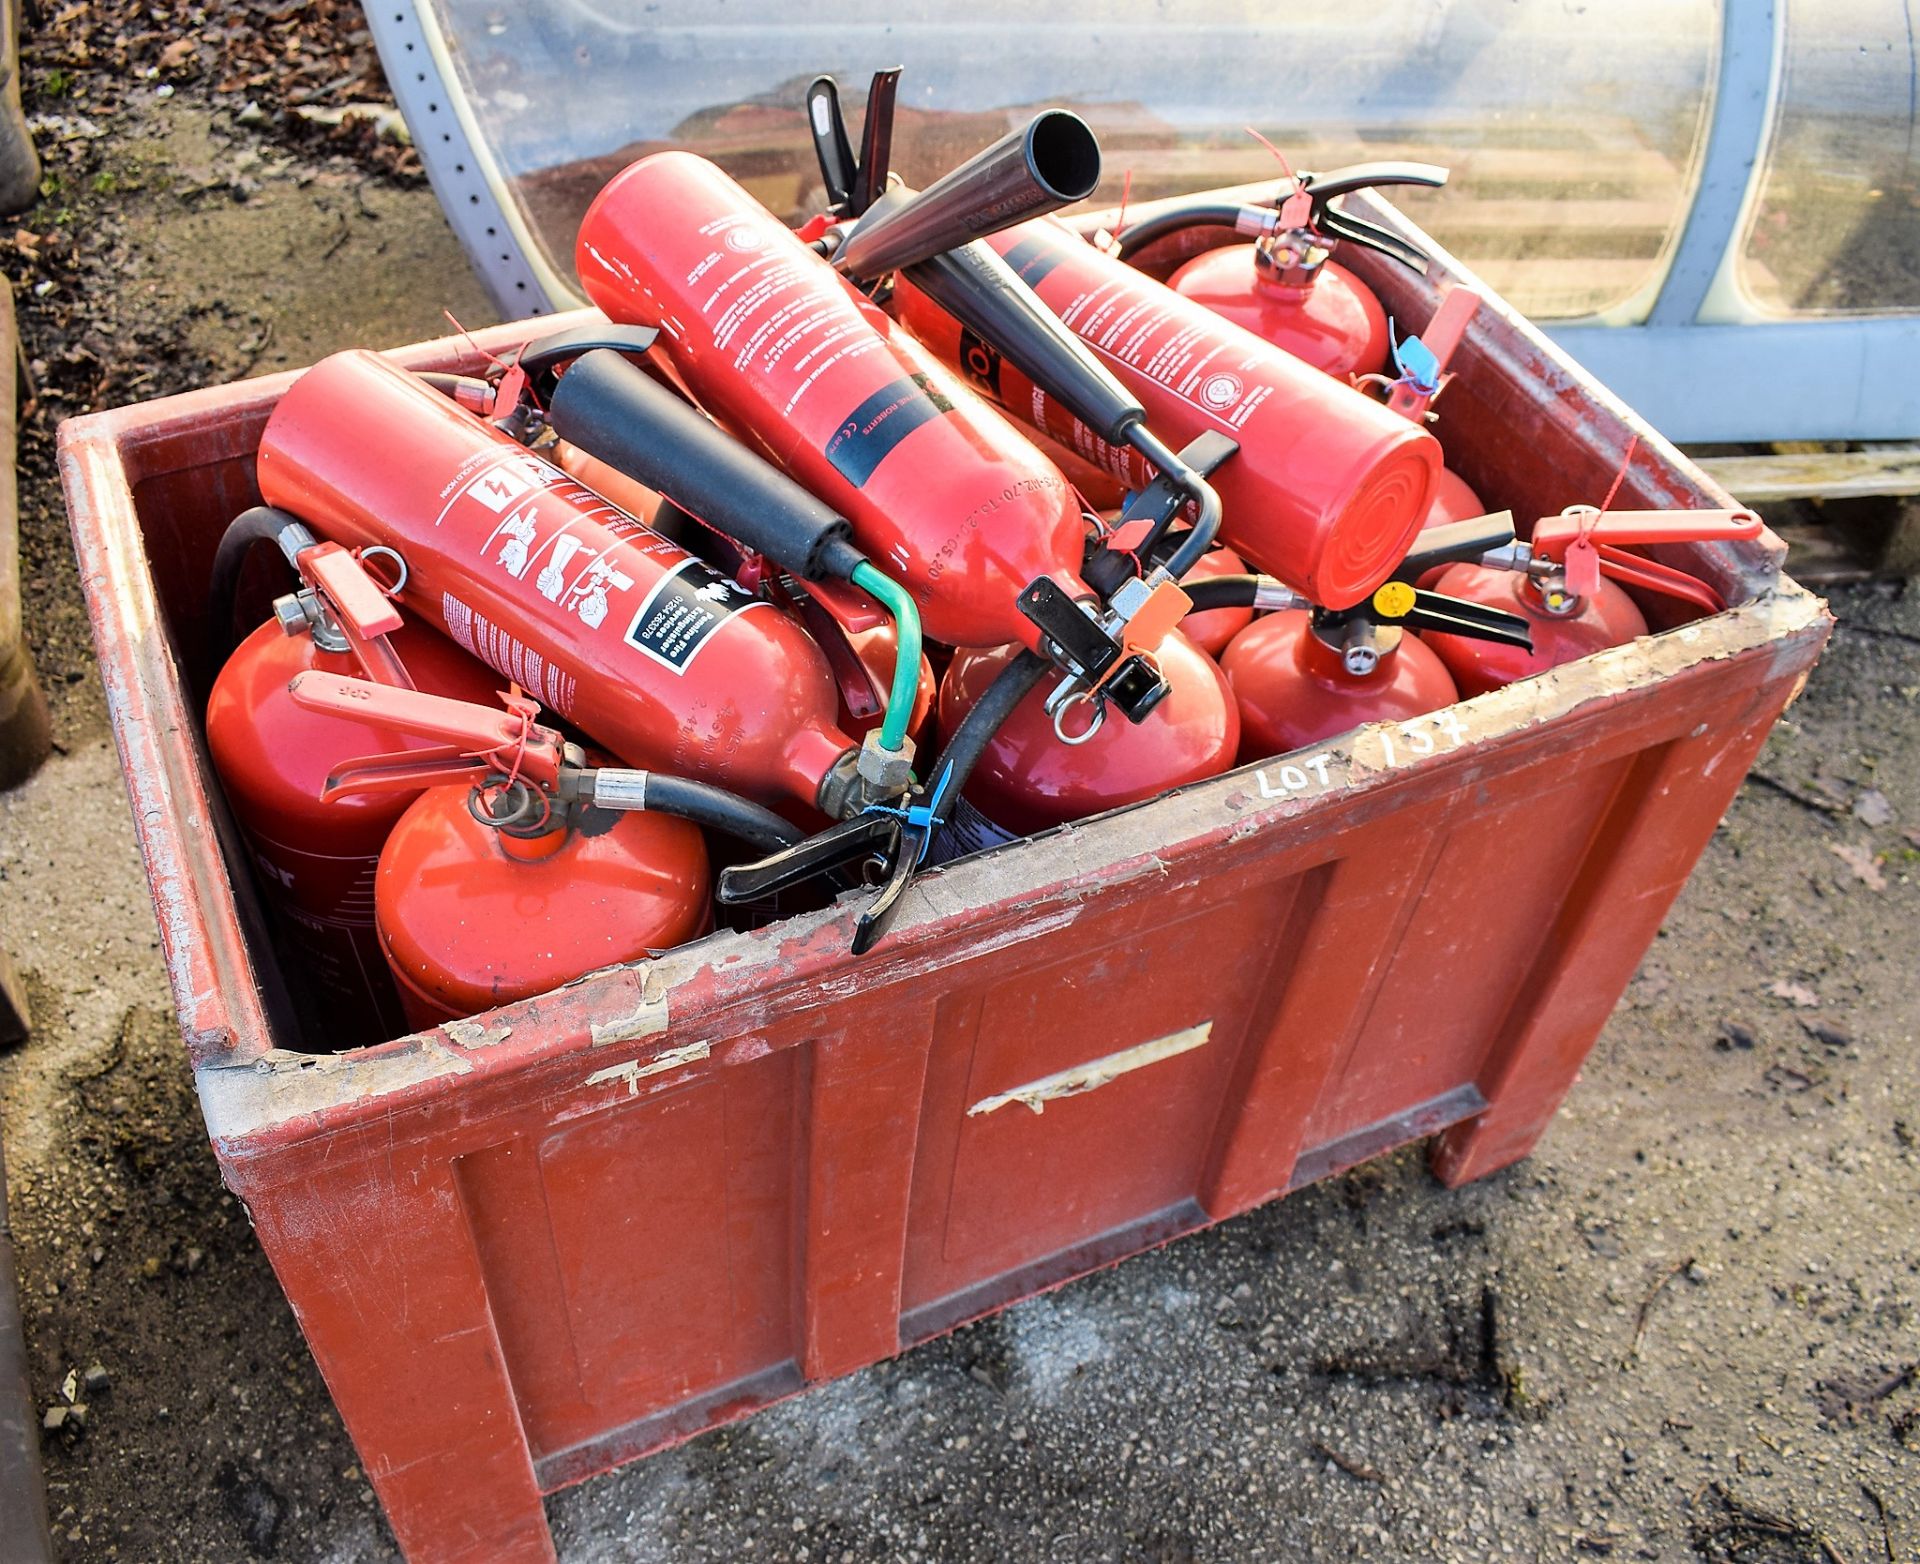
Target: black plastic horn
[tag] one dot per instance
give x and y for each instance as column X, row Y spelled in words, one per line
column 985, row 294
column 1052, row 163
column 612, row 409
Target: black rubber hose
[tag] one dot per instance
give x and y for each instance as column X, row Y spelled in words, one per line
column 969, row 742
column 1195, row 214
column 705, row 804
column 261, row 524
column 1222, row 592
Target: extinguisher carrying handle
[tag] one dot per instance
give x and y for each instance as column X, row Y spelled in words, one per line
column 1324, row 188
column 542, row 359
column 831, row 147
column 1459, row 541
column 1553, row 534
column 1336, row 182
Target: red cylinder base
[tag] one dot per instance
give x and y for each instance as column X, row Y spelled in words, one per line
column 1607, row 618
column 1292, row 688
column 316, row 860
column 1028, row 780
column 1333, row 323
column 471, row 918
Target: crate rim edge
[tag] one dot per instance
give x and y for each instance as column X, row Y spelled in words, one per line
column 251, row 1091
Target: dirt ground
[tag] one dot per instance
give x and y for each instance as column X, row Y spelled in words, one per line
column 1684, row 1330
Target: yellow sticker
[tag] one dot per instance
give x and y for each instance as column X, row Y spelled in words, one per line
column 1394, row 600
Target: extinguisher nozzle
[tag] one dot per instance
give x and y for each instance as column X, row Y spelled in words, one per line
column 1051, row 162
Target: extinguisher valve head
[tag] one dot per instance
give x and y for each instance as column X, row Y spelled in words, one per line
column 305, row 613
column 885, row 771
column 1360, row 647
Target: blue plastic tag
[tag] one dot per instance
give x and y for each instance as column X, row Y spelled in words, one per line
column 1417, row 364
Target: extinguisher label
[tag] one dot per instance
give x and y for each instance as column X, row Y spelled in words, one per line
column 472, row 631
column 963, row 833
column 678, row 617
column 980, row 362
column 868, row 434
column 1035, row 256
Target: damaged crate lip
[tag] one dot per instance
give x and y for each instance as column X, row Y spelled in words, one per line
column 591, row 1035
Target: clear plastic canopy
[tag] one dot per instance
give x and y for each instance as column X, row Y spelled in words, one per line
column 1574, row 128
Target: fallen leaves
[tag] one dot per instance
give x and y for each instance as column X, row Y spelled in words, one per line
column 1871, row 808
column 1862, row 861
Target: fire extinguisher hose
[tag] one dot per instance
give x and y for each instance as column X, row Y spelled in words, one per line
column 969, row 742
column 260, row 524
column 1240, row 592
column 1196, row 214
column 906, row 658
column 700, row 802
column 612, row 409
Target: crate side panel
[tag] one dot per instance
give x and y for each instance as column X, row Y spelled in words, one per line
column 1499, row 879
column 1076, row 1092
column 642, row 1257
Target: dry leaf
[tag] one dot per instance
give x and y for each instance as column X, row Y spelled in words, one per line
column 1861, row 861
column 177, row 53
column 1872, row 808
column 1797, row 994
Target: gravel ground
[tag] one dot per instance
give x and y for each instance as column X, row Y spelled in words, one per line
column 1684, row 1330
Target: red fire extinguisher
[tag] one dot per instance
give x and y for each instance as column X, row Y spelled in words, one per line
column 523, row 865
column 1284, row 286
column 778, row 347
column 1042, row 770
column 316, row 858
column 1303, row 675
column 482, row 901
column 1327, row 489
column 654, row 654
column 1566, row 583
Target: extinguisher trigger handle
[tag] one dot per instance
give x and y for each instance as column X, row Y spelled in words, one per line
column 831, row 147
column 849, row 841
column 876, row 142
column 1356, row 230
column 1476, row 621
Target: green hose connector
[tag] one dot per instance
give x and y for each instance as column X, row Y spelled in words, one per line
column 906, row 658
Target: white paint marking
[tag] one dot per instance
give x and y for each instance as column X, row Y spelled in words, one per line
column 633, row 1071
column 1097, row 1072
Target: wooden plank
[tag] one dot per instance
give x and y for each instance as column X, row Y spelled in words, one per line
column 1876, row 471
